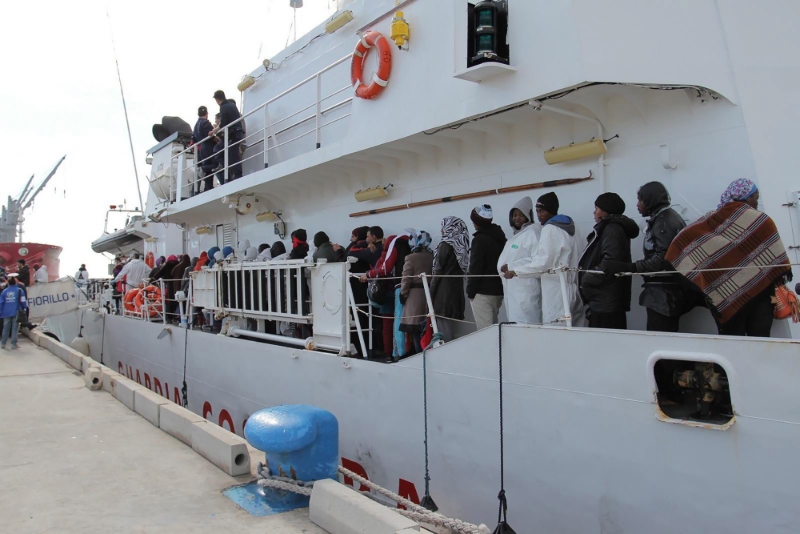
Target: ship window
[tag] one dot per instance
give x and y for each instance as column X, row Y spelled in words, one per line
column 696, row 392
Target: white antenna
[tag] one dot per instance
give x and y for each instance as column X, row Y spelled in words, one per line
column 125, row 109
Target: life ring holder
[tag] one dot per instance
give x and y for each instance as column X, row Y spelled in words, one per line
column 153, row 294
column 380, row 79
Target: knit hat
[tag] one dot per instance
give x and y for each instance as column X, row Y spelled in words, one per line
column 610, row 203
column 549, row 203
column 482, row 215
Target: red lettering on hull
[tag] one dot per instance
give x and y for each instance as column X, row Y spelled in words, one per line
column 407, row 490
column 225, row 417
column 356, row 468
column 207, row 409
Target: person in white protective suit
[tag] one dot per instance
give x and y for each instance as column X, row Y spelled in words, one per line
column 523, row 296
column 559, row 245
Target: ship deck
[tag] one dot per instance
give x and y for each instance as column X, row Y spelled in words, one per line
column 75, row 460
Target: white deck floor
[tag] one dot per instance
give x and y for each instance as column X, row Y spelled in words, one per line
column 75, row 460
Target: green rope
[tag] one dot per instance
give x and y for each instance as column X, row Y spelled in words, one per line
column 427, row 501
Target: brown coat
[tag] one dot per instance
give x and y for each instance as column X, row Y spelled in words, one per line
column 411, row 289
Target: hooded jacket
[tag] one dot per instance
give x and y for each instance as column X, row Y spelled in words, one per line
column 663, row 294
column 610, row 242
column 12, row 299
column 559, row 246
column 523, row 296
column 325, row 252
column 487, row 245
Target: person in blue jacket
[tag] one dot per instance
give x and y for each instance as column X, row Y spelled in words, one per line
column 12, row 299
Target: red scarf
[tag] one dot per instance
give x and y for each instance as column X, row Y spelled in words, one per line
column 296, row 242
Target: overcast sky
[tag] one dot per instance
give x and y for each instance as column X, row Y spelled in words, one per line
column 60, row 95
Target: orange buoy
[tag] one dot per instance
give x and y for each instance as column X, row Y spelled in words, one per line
column 153, row 294
column 150, row 260
column 380, row 79
column 130, row 296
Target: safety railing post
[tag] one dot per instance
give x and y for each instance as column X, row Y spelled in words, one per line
column 318, row 126
column 196, row 182
column 562, row 277
column 179, row 181
column 225, row 171
column 266, row 136
column 431, row 313
column 163, row 302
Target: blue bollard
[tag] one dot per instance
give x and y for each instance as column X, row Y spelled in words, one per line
column 300, row 441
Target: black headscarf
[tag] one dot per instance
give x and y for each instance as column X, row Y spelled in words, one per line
column 277, row 249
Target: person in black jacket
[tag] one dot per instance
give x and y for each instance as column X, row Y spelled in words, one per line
column 485, row 292
column 663, row 296
column 607, row 296
column 23, row 273
column 228, row 114
column 205, row 149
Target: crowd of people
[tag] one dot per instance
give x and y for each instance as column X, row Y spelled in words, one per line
column 731, row 261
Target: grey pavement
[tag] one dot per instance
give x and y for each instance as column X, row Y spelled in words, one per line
column 75, row 460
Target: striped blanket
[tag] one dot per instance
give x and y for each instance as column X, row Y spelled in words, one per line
column 735, row 237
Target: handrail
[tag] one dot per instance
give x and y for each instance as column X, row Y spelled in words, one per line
column 192, row 151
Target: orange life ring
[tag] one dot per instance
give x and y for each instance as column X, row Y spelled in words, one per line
column 381, row 78
column 130, row 296
column 153, row 294
column 150, row 260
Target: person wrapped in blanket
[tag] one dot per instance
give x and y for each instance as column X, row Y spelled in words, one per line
column 742, row 259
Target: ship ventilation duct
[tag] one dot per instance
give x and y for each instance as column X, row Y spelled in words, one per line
column 169, row 126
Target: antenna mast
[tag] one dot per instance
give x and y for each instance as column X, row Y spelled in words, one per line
column 125, row 109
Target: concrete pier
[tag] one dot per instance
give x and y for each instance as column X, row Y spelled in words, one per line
column 75, row 460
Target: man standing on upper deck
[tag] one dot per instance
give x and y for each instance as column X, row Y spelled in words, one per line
column 229, row 114
column 205, row 149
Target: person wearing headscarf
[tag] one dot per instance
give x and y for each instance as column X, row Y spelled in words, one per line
column 739, row 275
column 202, row 261
column 160, row 261
column 325, row 250
column 559, row 246
column 663, row 296
column 212, row 253
column 450, row 264
column 278, row 250
column 358, row 236
column 178, row 271
column 264, row 252
column 607, row 296
column 412, row 292
column 741, row 190
column 299, row 245
column 484, row 286
column 228, row 253
column 523, row 297
column 390, row 265
column 251, row 254
column 187, row 275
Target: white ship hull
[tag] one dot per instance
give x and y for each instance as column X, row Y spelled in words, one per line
column 585, row 450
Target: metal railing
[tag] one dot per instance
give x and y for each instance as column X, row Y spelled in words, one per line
column 188, row 160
